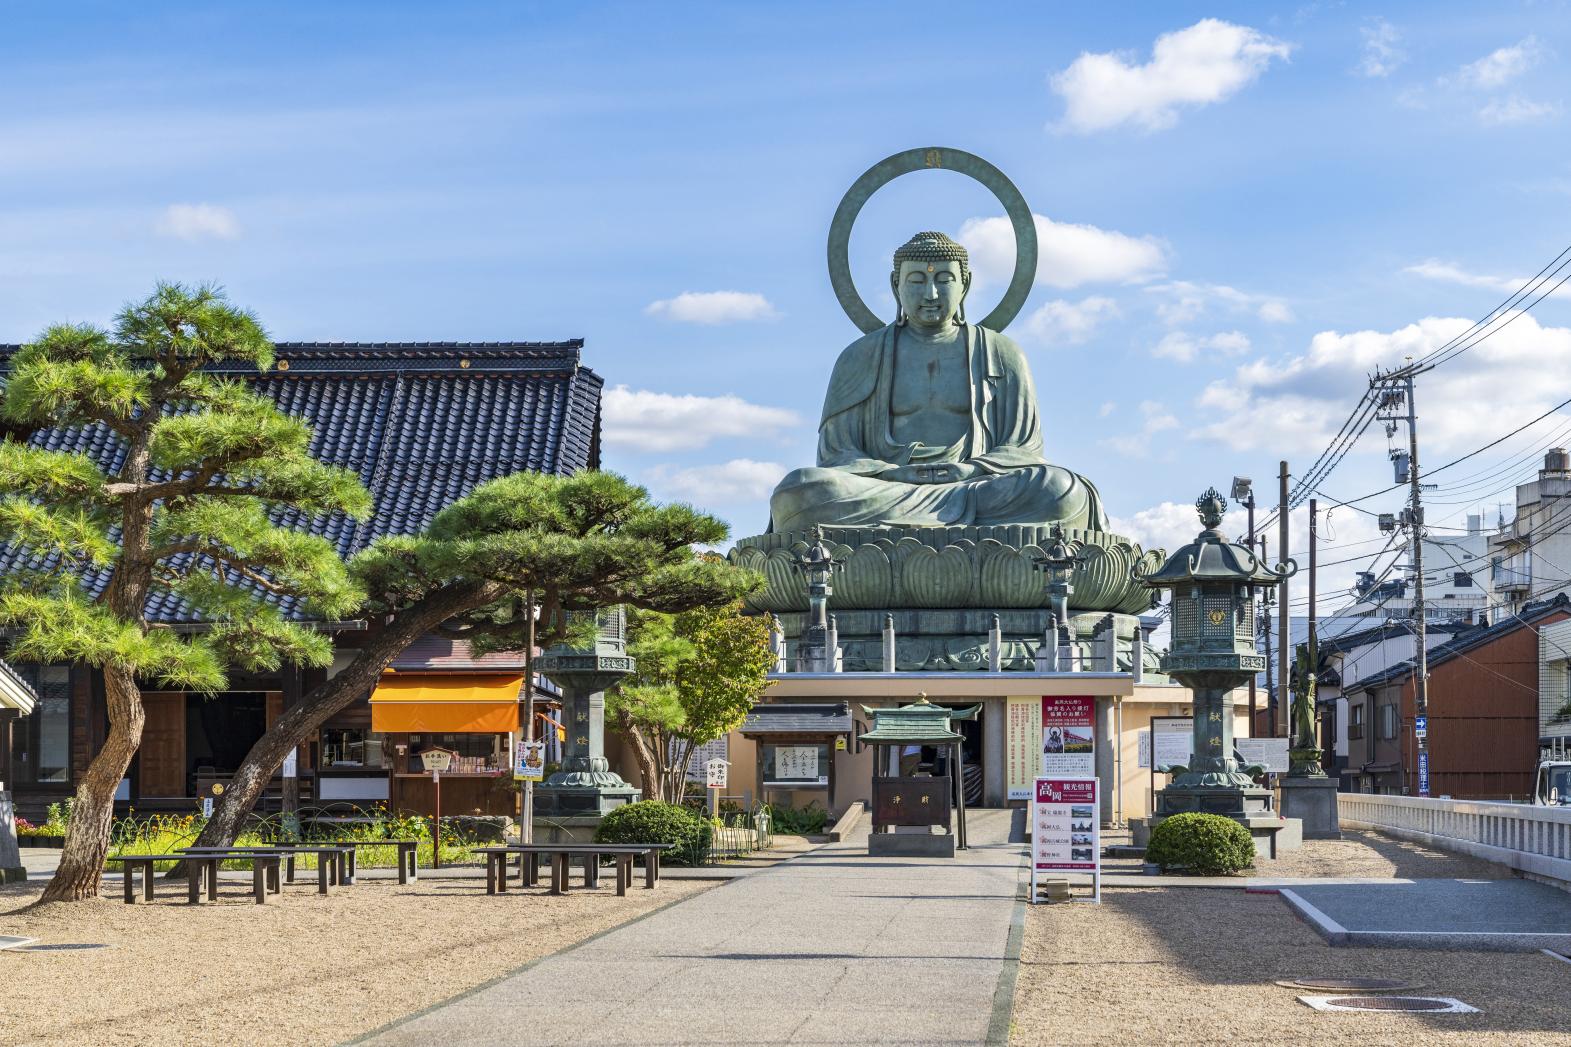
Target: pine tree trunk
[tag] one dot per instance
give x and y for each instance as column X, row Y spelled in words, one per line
column 644, row 756
column 300, row 722
column 93, row 807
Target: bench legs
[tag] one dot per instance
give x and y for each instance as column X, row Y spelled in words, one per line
column 324, row 866
column 130, row 884
column 624, row 873
column 559, row 869
column 258, row 882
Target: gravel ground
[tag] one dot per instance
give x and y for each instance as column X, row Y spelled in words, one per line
column 1364, row 853
column 303, row 969
column 1181, row 966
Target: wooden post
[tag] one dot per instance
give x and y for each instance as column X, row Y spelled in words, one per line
column 436, row 837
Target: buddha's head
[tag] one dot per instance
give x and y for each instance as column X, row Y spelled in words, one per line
column 930, row 279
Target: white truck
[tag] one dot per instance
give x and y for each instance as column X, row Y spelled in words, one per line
column 1553, row 785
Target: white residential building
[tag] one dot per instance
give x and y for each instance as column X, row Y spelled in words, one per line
column 1532, row 554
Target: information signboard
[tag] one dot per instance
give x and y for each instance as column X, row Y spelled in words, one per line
column 1423, row 772
column 715, row 774
column 1066, row 834
column 796, row 761
column 437, row 759
column 292, row 764
column 1069, row 736
column 1270, row 753
column 1022, row 744
column 1172, row 741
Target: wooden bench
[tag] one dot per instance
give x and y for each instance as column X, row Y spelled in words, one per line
column 408, row 856
column 205, row 862
column 332, row 860
column 132, row 862
column 561, row 854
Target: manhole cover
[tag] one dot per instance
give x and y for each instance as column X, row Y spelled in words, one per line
column 1350, row 984
column 62, row 946
column 1400, row 1004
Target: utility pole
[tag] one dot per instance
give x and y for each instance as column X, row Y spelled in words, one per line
column 1312, row 665
column 1284, row 640
column 1265, row 620
column 1395, row 389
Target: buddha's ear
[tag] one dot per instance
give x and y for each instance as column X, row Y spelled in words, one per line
column 965, row 283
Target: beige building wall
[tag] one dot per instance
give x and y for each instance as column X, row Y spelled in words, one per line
column 1128, row 785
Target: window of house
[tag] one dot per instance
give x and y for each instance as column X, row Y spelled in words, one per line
column 351, row 747
column 1388, row 721
column 1461, row 580
column 1355, row 721
column 41, row 741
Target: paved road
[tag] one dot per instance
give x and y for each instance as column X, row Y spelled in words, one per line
column 831, row 948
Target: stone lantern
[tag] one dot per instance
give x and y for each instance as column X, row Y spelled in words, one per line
column 819, row 647
column 1213, row 584
column 586, row 788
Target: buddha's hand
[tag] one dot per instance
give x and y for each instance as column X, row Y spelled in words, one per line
column 938, row 473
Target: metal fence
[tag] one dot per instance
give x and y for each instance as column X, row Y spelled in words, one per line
column 738, row 833
column 1534, row 840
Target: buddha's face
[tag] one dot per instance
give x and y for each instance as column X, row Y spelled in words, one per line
column 930, row 293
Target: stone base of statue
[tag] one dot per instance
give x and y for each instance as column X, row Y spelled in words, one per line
column 911, row 845
column 1312, row 800
column 1249, row 805
column 592, row 792
column 944, row 585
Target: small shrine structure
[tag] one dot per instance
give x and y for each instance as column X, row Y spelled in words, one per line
column 911, row 802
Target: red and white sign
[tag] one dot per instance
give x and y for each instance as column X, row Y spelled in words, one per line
column 1066, row 833
column 1069, row 736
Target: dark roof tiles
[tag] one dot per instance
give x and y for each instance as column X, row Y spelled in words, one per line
column 421, row 424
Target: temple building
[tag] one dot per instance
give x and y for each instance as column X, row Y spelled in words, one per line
column 421, row 424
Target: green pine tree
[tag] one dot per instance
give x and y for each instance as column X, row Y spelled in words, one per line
column 203, row 466
column 559, row 546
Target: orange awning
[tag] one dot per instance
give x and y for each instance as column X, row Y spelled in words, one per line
column 449, row 703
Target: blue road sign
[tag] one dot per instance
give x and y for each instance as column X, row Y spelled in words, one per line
column 1423, row 773
column 1420, row 723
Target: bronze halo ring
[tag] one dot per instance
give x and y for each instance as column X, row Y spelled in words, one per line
column 932, row 158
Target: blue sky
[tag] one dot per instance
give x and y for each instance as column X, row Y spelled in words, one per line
column 1245, row 208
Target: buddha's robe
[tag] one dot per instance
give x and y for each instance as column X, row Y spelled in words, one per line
column 857, row 446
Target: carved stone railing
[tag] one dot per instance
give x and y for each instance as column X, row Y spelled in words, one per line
column 1534, row 840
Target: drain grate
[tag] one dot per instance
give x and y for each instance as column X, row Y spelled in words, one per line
column 1350, row 984
column 1398, row 1004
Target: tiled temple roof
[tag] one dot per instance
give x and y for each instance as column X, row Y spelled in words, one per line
column 422, row 423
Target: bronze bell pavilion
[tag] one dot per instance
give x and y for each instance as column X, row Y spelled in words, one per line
column 1214, row 583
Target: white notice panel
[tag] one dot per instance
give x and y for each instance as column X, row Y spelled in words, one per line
column 793, row 762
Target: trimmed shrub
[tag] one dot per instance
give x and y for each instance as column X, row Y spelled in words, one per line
column 1201, row 845
column 794, row 821
column 650, row 821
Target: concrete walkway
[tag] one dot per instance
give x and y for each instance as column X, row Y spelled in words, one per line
column 832, row 947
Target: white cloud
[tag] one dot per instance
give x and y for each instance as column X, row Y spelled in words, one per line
column 1106, row 409
column 1168, row 526
column 1275, row 312
column 1206, row 63
column 198, row 222
column 1516, row 110
column 739, row 480
column 1382, row 50
column 1154, row 419
column 1502, row 65
column 1451, row 273
column 1185, row 348
column 1184, row 301
column 1294, row 406
column 713, row 307
column 650, row 421
column 1071, row 323
column 1068, row 254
